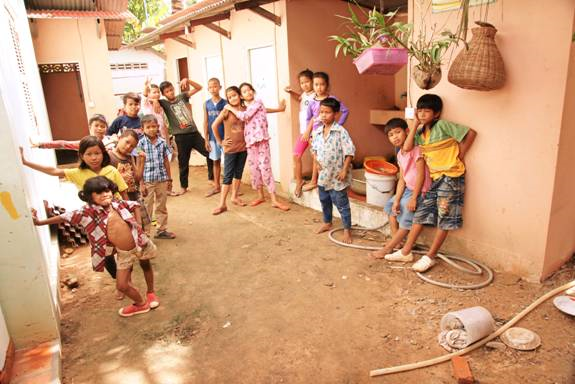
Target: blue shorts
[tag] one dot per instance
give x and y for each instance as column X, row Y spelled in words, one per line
column 442, row 205
column 216, row 152
column 405, row 217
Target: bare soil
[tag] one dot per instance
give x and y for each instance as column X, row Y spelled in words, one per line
column 254, row 296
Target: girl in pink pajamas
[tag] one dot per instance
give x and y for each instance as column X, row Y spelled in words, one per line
column 257, row 142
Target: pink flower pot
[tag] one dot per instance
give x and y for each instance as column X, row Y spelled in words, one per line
column 381, row 61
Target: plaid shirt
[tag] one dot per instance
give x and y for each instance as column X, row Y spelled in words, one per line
column 154, row 169
column 94, row 219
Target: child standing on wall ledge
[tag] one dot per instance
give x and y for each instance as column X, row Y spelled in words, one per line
column 413, row 180
column 333, row 151
column 444, row 145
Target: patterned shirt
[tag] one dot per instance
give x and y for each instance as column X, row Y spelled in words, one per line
column 94, row 219
column 179, row 114
column 154, row 167
column 330, row 153
column 256, row 128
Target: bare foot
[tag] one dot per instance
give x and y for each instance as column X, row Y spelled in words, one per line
column 309, row 187
column 181, row 192
column 380, row 254
column 219, row 210
column 212, row 192
column 256, row 202
column 239, row 202
column 298, row 187
column 324, row 228
column 119, row 295
column 281, row 206
column 347, row 236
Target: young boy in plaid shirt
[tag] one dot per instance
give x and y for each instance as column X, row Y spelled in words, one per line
column 156, row 177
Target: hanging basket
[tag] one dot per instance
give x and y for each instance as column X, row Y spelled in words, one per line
column 426, row 79
column 481, row 66
column 381, row 61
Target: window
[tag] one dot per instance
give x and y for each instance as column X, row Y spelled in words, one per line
column 128, row 66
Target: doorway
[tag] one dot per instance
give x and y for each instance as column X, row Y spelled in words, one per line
column 182, row 68
column 62, row 87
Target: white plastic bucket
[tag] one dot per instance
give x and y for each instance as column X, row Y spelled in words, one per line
column 379, row 188
column 476, row 321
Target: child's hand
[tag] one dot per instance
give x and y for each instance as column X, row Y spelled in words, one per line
column 395, row 207
column 288, row 89
column 412, row 204
column 142, row 154
column 147, row 82
column 184, row 86
column 208, row 146
column 33, row 144
column 156, row 107
column 227, row 141
column 170, row 185
column 35, row 216
column 229, row 107
column 283, row 104
column 144, row 190
column 342, row 175
column 22, row 155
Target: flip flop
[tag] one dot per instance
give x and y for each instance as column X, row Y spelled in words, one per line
column 282, row 207
column 165, row 235
column 219, row 210
column 239, row 204
column 172, row 193
column 212, row 192
column 257, row 202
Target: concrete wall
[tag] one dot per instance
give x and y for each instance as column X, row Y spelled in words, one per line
column 69, row 41
column 28, row 261
column 4, row 339
column 517, row 186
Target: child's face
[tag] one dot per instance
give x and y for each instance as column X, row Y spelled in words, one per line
column 126, row 145
column 132, row 107
column 214, row 88
column 150, row 129
column 98, row 129
column 305, row 83
column 426, row 115
column 103, row 198
column 154, row 93
column 247, row 93
column 93, row 157
column 169, row 93
column 326, row 115
column 397, row 136
column 233, row 98
column 319, row 86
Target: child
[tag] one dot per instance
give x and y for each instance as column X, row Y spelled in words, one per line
column 121, row 158
column 321, row 89
column 151, row 106
column 97, row 126
column 307, row 95
column 156, row 177
column 130, row 119
column 257, row 142
column 444, row 145
column 112, row 223
column 413, row 180
column 234, row 146
column 333, row 151
column 212, row 108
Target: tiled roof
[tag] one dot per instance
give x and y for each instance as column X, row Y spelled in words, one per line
column 203, row 4
column 67, row 14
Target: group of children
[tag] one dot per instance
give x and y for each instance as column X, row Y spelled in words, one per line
column 124, row 172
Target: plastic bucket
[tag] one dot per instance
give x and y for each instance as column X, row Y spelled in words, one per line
column 476, row 321
column 379, row 166
column 379, row 188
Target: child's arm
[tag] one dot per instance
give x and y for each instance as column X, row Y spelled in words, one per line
column 168, row 169
column 281, row 108
column 419, row 179
column 400, row 188
column 194, row 89
column 344, row 112
column 346, row 164
column 215, row 125
column 146, row 87
column 466, row 143
column 124, row 195
column 206, row 130
column 48, row 221
column 246, row 115
column 293, row 93
column 57, row 144
column 409, row 142
column 52, row 171
column 114, row 128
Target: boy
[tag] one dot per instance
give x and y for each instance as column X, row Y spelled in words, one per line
column 413, row 180
column 156, row 175
column 212, row 108
column 112, row 223
column 130, row 119
column 333, row 151
column 444, row 145
column 183, row 126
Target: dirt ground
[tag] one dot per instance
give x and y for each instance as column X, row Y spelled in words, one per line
column 253, row 296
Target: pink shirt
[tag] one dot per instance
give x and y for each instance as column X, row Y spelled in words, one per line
column 255, row 117
column 407, row 163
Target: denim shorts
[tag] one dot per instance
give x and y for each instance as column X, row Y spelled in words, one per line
column 234, row 164
column 405, row 217
column 216, row 152
column 442, row 205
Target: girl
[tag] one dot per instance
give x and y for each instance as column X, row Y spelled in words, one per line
column 151, row 106
column 97, row 126
column 257, row 143
column 307, row 95
column 321, row 89
column 111, row 223
column 234, row 146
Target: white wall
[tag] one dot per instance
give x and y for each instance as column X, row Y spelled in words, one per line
column 4, row 339
column 28, row 293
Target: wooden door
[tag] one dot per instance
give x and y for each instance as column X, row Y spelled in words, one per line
column 65, row 104
column 182, row 69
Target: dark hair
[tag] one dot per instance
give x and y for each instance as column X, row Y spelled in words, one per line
column 322, row 75
column 164, row 85
column 130, row 96
column 430, row 101
column 130, row 132
column 236, row 90
column 246, row 85
column 214, row 79
column 98, row 117
column 396, row 122
column 96, row 184
column 147, row 119
column 331, row 103
column 89, row 142
column 154, row 86
column 306, row 73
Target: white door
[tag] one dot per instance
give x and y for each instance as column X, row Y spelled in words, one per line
column 214, row 68
column 264, row 79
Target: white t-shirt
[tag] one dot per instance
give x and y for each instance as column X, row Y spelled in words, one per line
column 306, row 98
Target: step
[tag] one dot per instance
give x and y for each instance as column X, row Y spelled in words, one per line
column 38, row 365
